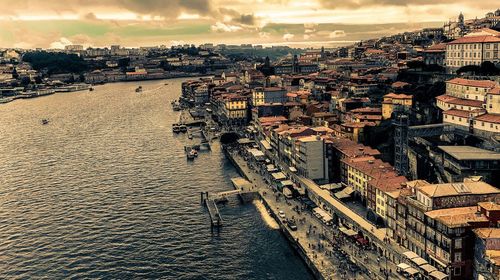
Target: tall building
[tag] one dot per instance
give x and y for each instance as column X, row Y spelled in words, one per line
column 472, row 50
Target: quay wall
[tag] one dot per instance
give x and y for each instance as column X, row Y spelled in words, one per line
column 283, row 227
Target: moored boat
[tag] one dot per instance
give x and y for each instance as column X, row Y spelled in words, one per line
column 183, row 128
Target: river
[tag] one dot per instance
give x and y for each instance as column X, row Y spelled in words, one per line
column 104, row 191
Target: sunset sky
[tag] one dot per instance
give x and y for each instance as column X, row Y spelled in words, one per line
column 53, row 23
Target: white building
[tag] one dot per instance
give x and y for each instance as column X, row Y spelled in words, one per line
column 473, row 105
column 472, row 50
column 309, row 155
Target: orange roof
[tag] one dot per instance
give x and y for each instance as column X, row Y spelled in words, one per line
column 436, row 48
column 473, row 83
column 457, row 217
column 495, row 90
column 460, row 101
column 398, row 96
column 490, row 118
column 476, row 39
column 487, row 233
column 457, row 113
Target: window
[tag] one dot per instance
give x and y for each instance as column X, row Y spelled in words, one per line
column 458, row 244
column 457, row 271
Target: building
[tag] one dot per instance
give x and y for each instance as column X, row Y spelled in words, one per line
column 429, row 197
column 460, row 162
column 472, row 50
column 449, row 239
column 267, row 95
column 435, row 55
column 487, row 253
column 309, row 159
column 395, row 102
column 472, row 105
column 234, row 109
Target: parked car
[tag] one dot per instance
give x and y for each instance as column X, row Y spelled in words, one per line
column 291, row 224
column 281, row 214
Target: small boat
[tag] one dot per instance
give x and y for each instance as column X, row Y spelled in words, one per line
column 192, row 154
column 190, row 136
column 176, row 129
column 45, row 121
column 183, row 128
column 91, row 89
column 139, row 89
column 166, row 84
column 177, row 107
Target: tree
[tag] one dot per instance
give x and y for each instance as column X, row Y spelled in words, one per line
column 55, row 62
column 25, row 81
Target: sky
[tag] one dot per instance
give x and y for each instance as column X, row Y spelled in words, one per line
column 134, row 23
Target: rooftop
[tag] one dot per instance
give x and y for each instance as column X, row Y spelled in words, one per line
column 469, row 153
column 476, row 39
column 486, row 233
column 490, row 118
column 457, row 189
column 457, row 217
column 473, row 83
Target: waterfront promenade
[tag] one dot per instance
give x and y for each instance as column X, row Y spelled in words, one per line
column 317, row 240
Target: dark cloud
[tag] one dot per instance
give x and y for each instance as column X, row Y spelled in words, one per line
column 246, row 19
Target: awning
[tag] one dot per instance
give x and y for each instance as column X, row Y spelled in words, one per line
column 362, row 241
column 278, row 176
column 330, row 187
column 410, row 255
column 271, row 168
column 244, row 141
column 403, row 266
column 266, row 144
column 411, row 271
column 292, row 169
column 419, row 261
column 438, row 275
column 348, row 232
column 286, row 183
column 428, row 268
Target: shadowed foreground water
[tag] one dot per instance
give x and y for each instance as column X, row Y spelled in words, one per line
column 104, row 191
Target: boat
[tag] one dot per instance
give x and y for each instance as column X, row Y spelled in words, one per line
column 45, row 121
column 183, row 128
column 177, row 107
column 72, row 88
column 192, row 154
column 91, row 89
column 166, row 84
column 138, row 89
column 190, row 136
column 176, row 128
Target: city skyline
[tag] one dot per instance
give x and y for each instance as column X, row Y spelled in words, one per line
column 55, row 24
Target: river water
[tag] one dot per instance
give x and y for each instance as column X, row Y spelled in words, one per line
column 105, row 191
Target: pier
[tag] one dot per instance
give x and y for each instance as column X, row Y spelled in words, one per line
column 243, row 189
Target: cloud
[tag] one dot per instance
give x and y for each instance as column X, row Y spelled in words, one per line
column 223, row 27
column 288, row 36
column 337, row 34
column 61, row 43
column 264, row 35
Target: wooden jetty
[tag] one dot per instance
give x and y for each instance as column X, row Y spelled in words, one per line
column 243, row 189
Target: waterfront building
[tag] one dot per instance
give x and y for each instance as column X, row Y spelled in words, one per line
column 429, row 197
column 487, row 252
column 450, row 241
column 309, row 158
column 233, row 109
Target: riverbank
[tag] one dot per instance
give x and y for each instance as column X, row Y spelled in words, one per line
column 309, row 240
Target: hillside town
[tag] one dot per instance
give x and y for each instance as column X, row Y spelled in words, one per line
column 395, row 138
